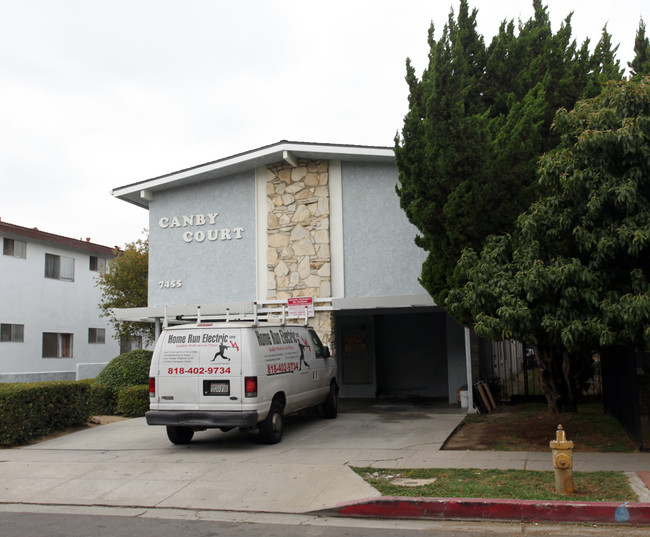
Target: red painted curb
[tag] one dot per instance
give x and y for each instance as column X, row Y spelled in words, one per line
column 493, row 509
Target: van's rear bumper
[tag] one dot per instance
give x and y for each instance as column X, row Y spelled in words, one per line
column 196, row 418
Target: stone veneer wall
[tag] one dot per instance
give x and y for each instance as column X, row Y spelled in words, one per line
column 298, row 234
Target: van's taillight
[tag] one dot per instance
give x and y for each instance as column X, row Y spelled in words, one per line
column 152, row 387
column 250, row 386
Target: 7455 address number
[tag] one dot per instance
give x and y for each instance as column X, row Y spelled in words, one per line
column 170, row 284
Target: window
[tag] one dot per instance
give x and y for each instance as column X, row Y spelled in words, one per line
column 319, row 350
column 12, row 332
column 57, row 345
column 59, row 267
column 96, row 335
column 97, row 264
column 14, row 248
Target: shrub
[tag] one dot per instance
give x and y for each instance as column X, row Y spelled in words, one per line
column 30, row 410
column 128, row 369
column 133, row 401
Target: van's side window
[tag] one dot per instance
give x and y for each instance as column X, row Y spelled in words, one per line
column 318, row 346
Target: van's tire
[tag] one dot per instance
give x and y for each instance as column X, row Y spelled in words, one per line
column 331, row 404
column 272, row 428
column 179, row 435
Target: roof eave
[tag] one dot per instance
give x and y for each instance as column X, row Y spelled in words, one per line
column 137, row 193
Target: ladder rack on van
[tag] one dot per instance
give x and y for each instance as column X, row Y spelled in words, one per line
column 269, row 311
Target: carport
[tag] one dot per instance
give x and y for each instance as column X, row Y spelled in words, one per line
column 395, row 347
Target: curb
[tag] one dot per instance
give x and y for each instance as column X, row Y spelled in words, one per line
column 626, row 513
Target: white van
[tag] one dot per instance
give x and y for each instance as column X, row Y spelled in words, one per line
column 238, row 374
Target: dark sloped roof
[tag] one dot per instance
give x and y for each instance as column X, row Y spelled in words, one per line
column 43, row 236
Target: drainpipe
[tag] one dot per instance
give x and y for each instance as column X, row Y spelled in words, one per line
column 468, row 368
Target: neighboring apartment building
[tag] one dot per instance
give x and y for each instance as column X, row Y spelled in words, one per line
column 50, row 321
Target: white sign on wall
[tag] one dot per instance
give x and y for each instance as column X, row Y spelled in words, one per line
column 199, row 220
column 297, row 307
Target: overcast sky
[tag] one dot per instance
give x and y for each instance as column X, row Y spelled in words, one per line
column 97, row 94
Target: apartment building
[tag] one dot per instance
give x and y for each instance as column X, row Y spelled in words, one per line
column 299, row 221
column 50, row 321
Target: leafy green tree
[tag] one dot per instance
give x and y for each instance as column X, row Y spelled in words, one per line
column 640, row 65
column 478, row 120
column 125, row 285
column 573, row 278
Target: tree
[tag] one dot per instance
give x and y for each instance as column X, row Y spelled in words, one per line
column 478, row 120
column 443, row 119
column 573, row 278
column 125, row 285
column 640, row 65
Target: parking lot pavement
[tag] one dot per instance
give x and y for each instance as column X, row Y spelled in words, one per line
column 131, row 464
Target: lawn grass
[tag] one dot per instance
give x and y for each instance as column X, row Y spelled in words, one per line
column 502, row 484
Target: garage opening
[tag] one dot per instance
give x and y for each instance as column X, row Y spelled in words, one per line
column 404, row 354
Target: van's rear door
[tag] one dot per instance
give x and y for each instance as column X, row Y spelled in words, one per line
column 220, row 369
column 199, row 369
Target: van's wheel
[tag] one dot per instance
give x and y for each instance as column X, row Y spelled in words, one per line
column 272, row 427
column 331, row 404
column 179, row 435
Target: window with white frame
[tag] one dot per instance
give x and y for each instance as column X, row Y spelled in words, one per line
column 59, row 267
column 97, row 264
column 14, row 248
column 96, row 335
column 56, row 345
column 12, row 332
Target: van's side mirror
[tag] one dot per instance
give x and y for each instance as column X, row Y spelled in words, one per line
column 326, row 351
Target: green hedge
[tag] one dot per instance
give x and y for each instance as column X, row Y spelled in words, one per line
column 102, row 399
column 133, row 401
column 29, row 410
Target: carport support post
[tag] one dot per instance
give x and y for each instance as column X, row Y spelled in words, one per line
column 468, row 368
column 157, row 327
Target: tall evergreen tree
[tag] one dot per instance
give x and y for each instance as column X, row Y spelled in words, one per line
column 640, row 65
column 444, row 119
column 478, row 120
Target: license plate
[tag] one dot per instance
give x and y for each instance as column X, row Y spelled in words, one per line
column 216, row 387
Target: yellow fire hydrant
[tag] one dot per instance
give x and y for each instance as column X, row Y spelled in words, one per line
column 562, row 462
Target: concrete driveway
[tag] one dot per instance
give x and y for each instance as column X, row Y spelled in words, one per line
column 131, row 464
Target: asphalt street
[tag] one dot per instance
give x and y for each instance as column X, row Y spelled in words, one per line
column 110, row 522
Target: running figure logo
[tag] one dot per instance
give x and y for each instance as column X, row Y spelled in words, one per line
column 222, row 348
column 302, row 353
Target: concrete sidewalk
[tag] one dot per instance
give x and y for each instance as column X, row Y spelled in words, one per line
column 131, row 464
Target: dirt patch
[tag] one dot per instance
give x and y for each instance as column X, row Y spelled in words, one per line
column 95, row 421
column 529, row 427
